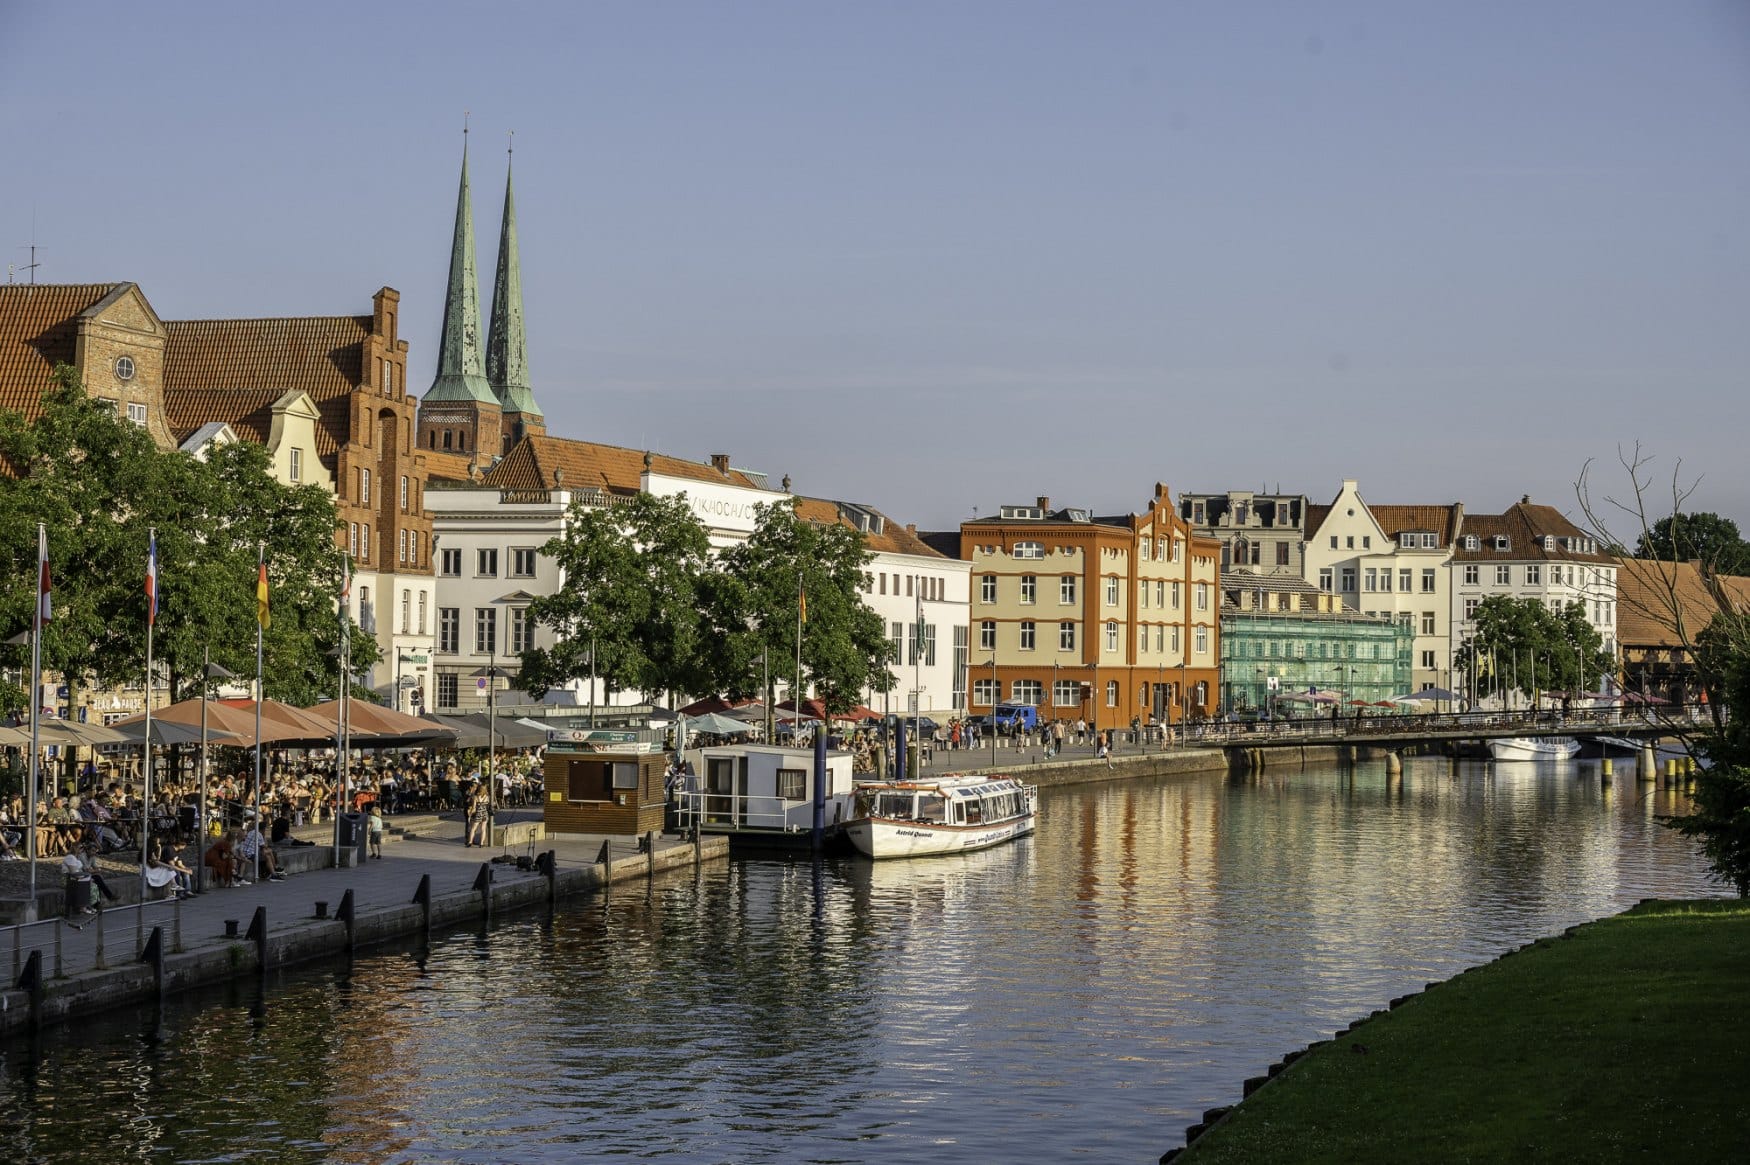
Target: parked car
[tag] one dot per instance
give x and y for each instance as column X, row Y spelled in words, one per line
column 1009, row 717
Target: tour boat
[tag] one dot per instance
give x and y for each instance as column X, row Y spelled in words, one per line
column 948, row 815
column 1534, row 748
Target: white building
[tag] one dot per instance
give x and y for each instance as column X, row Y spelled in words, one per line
column 488, row 534
column 1532, row 552
column 1390, row 560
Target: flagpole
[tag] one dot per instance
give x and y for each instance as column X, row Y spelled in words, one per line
column 200, row 817
column 36, row 691
column 261, row 616
column 801, row 618
column 340, row 750
column 145, row 823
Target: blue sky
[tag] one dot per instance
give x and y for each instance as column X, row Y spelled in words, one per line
column 940, row 256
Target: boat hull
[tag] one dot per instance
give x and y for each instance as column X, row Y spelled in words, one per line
column 1533, row 748
column 878, row 837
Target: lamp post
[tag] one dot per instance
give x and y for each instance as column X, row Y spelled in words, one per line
column 490, row 673
column 990, row 722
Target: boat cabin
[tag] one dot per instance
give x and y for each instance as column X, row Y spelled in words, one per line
column 603, row 786
column 756, row 788
column 942, row 803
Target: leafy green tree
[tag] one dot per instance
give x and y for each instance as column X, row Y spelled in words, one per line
column 636, row 597
column 844, row 645
column 1703, row 536
column 1719, row 817
column 1521, row 645
column 100, row 485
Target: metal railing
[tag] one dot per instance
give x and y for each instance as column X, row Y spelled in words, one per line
column 93, row 942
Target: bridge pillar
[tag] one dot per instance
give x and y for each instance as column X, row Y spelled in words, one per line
column 1604, row 767
column 1394, row 764
column 1646, row 767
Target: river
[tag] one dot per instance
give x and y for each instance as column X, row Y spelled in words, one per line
column 1080, row 995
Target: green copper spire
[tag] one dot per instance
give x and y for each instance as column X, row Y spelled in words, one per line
column 507, row 356
column 459, row 377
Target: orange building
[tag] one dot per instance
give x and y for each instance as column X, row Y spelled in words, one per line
column 1110, row 619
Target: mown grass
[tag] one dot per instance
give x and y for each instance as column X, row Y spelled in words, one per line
column 1629, row 1040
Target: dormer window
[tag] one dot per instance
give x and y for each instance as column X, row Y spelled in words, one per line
column 1549, row 541
column 1502, row 542
column 1428, row 542
column 1407, row 540
column 1470, row 541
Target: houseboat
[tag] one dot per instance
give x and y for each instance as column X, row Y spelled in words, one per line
column 1534, row 748
column 952, row 814
column 761, row 796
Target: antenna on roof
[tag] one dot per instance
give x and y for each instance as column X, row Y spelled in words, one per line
column 33, row 264
column 510, row 149
column 466, row 113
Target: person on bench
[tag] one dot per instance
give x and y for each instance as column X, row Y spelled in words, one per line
column 253, row 845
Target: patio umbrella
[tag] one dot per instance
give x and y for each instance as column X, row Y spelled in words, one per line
column 373, row 725
column 71, row 732
column 170, row 732
column 1642, row 698
column 15, row 737
column 1431, row 694
column 721, row 725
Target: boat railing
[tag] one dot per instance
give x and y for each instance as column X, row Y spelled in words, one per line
column 718, row 811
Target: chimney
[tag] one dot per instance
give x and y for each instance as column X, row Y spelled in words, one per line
column 1044, row 503
column 720, row 462
column 912, row 529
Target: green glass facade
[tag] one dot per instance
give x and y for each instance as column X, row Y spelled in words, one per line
column 1362, row 657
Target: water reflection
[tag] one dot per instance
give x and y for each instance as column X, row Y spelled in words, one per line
column 1084, row 992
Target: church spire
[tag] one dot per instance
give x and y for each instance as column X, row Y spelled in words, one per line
column 507, row 357
column 459, row 376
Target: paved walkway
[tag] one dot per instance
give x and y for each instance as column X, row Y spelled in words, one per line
column 379, row 883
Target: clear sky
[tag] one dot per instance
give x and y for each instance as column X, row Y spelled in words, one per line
column 941, row 256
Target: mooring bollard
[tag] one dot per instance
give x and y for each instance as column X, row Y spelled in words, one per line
column 321, row 909
column 152, row 953
column 97, row 963
column 344, row 913
column 31, row 980
column 422, row 897
column 258, row 931
column 230, row 928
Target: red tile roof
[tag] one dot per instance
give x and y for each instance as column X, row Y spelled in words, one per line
column 585, row 464
column 39, row 328
column 893, row 538
column 1651, row 596
column 233, row 370
column 1525, row 526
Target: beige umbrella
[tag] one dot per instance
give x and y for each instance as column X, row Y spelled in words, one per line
column 52, row 730
column 14, row 737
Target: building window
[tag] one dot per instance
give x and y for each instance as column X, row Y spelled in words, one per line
column 1161, row 593
column 1175, row 595
column 1160, row 639
column 1142, row 639
column 1470, row 607
column 1370, row 580
column 1066, row 637
column 987, row 692
column 1348, row 580
column 1029, row 588
column 137, row 414
column 401, row 546
column 422, row 596
column 1066, row 693
column 522, row 562
column 1324, row 578
column 486, row 565
column 883, row 577
column 1143, row 591
column 1029, row 692
column 1173, row 635
column 406, row 611
column 446, row 690
column 1333, row 541
column 1427, row 580
column 367, row 616
column 1282, row 554
column 1112, row 592
column 1427, row 622
column 352, row 539
column 365, row 542
column 1503, row 576
column 295, row 464
column 451, row 563
column 1533, row 576
column 1111, row 637
column 1404, row 581
column 910, row 583
column 485, row 630
column 1202, row 640
column 1029, row 550
column 1471, row 573
column 1029, row 633
column 793, row 784
column 1111, row 693
column 364, row 486
column 449, row 630
column 521, row 630
column 1203, row 596
column 405, row 493
column 1427, row 659
column 1066, row 590
column 987, row 635
column 124, row 367
column 987, row 588
column 1147, row 549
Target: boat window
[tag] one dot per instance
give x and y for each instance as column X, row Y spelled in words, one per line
column 974, row 812
column 893, row 805
column 932, row 809
column 959, row 813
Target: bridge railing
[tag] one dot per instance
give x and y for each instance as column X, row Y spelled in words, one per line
column 1360, row 722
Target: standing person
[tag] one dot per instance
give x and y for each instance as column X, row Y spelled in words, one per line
column 1103, row 747
column 468, row 816
column 377, row 831
column 480, row 821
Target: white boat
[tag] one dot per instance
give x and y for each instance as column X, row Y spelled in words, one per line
column 1534, row 748
column 948, row 815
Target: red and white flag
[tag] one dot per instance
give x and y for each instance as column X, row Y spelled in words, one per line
column 152, row 580
column 43, row 587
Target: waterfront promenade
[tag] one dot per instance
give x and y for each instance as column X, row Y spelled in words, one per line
column 94, row 962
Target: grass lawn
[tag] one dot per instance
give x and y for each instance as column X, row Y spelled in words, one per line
column 1629, row 1040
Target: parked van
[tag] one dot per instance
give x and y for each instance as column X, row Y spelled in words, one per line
column 1009, row 717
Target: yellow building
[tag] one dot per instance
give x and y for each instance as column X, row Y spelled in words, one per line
column 1108, row 619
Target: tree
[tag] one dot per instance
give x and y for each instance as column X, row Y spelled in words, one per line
column 787, row 565
column 637, row 602
column 1705, row 537
column 1719, row 818
column 1521, row 645
column 100, row 485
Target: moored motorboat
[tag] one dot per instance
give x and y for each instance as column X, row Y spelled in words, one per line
column 951, row 814
column 1534, row 748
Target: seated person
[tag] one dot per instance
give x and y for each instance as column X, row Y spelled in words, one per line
column 165, row 869
column 282, row 833
column 254, row 846
column 80, row 866
column 221, row 859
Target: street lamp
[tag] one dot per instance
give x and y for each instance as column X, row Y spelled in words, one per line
column 990, row 721
column 490, row 672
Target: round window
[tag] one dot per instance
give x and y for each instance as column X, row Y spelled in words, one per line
column 124, row 368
